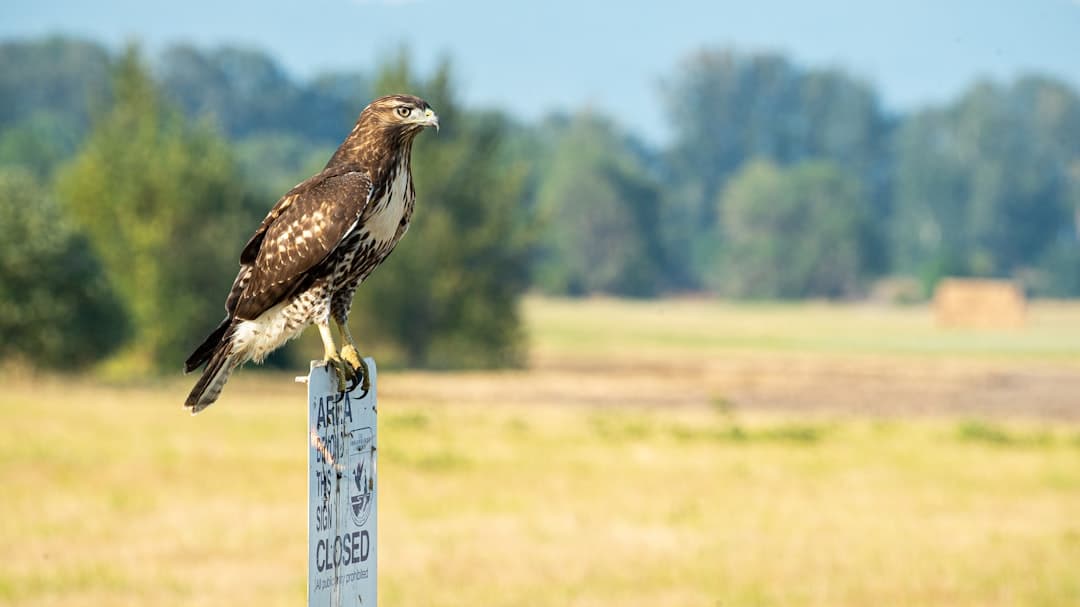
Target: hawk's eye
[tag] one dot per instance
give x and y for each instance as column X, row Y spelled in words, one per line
column 403, row 111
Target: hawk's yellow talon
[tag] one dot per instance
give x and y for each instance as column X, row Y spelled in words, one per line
column 359, row 367
column 341, row 369
column 351, row 356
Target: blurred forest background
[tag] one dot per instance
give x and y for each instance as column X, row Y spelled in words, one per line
column 129, row 183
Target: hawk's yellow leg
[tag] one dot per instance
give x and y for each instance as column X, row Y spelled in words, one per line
column 352, row 356
column 333, row 359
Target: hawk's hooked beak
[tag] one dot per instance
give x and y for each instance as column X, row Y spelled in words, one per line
column 430, row 119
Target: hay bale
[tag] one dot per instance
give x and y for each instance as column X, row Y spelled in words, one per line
column 979, row 303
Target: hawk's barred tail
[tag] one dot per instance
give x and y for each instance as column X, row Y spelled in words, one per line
column 221, row 362
column 207, row 347
column 213, row 379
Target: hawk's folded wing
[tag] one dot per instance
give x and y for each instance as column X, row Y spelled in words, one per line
column 298, row 234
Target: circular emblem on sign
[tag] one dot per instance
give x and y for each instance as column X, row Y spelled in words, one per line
column 362, row 492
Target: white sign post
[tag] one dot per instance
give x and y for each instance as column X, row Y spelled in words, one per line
column 342, row 490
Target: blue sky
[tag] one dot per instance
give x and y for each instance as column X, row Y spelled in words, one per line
column 532, row 57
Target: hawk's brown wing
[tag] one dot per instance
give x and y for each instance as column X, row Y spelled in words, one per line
column 302, row 229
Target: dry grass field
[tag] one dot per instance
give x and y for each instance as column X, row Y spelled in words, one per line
column 674, row 453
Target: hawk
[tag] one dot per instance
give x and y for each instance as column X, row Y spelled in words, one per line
column 315, row 247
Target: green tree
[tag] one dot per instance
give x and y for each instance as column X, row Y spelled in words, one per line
column 164, row 212
column 247, row 92
column 792, row 232
column 55, row 76
column 272, row 163
column 57, row 308
column 728, row 108
column 448, row 296
column 986, row 186
column 600, row 211
column 40, row 143
column 48, row 90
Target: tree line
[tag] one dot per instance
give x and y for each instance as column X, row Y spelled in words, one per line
column 129, row 183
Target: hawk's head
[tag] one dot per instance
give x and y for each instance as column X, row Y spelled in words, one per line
column 404, row 114
column 384, row 133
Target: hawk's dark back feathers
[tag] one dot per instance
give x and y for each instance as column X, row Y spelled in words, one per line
column 297, row 235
